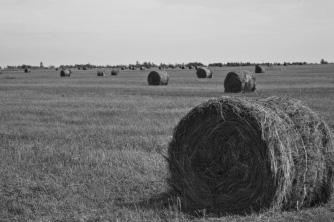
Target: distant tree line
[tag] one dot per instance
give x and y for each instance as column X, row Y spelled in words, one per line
column 149, row 65
column 234, row 64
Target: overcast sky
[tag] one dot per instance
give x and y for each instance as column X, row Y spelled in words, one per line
column 114, row 32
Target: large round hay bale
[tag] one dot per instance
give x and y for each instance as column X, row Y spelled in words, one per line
column 114, row 72
column 243, row 81
column 156, row 78
column 238, row 155
column 203, row 72
column 259, row 69
column 100, row 73
column 65, row 73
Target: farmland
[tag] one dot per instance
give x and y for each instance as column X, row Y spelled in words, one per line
column 91, row 148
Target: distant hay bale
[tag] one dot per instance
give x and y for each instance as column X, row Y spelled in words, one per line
column 156, row 78
column 243, row 81
column 100, row 73
column 239, row 155
column 203, row 72
column 114, row 72
column 26, row 70
column 65, row 73
column 259, row 69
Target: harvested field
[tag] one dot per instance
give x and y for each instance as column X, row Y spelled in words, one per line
column 93, row 148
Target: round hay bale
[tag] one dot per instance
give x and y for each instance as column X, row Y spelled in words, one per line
column 259, row 69
column 239, row 155
column 26, row 70
column 243, row 81
column 65, row 73
column 203, row 72
column 100, row 73
column 114, row 72
column 156, row 78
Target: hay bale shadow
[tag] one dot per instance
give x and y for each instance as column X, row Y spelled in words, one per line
column 157, row 202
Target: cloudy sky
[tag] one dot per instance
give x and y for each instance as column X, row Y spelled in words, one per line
column 125, row 31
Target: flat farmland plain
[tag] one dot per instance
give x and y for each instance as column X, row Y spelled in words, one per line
column 90, row 148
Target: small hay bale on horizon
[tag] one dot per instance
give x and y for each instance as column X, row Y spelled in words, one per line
column 156, row 78
column 100, row 73
column 203, row 72
column 65, row 73
column 259, row 69
column 114, row 72
column 242, row 155
column 242, row 81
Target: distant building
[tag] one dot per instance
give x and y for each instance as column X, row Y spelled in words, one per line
column 41, row 65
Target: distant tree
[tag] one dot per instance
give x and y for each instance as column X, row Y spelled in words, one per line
column 323, row 62
column 195, row 64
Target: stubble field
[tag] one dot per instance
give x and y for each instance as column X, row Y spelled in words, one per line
column 90, row 148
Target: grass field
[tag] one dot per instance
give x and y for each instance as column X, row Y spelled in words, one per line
column 90, row 148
